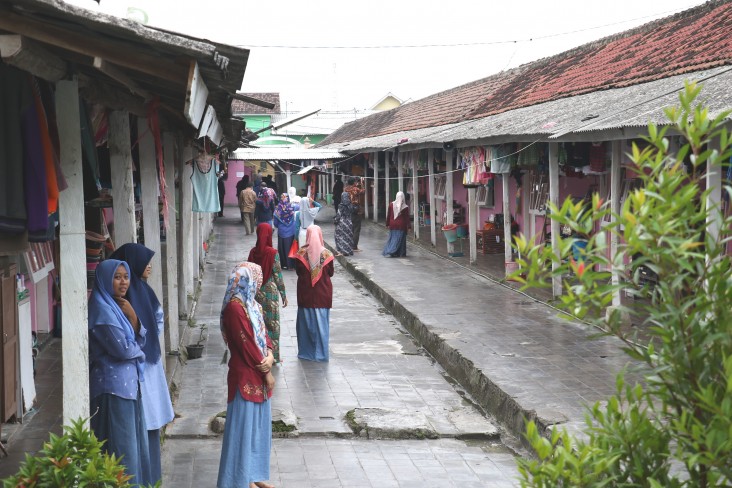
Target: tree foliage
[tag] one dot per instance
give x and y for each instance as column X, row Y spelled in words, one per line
column 675, row 430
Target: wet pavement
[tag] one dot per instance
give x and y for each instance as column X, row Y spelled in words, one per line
column 423, row 336
column 412, row 422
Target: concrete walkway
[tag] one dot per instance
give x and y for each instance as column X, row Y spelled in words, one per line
column 416, row 429
column 510, row 352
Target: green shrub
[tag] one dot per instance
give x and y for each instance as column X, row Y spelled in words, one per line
column 676, row 429
column 74, row 459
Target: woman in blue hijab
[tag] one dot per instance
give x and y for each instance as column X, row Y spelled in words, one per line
column 116, row 366
column 155, row 394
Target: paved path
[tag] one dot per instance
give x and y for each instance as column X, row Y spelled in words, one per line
column 512, row 353
column 375, row 367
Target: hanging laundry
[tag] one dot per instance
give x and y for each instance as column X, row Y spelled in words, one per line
column 499, row 158
column 205, row 185
column 472, row 160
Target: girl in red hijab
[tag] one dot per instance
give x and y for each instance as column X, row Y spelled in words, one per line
column 273, row 287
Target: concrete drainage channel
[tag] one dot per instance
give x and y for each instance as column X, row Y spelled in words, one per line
column 460, row 371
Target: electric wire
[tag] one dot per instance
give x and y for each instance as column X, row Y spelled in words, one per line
column 464, row 44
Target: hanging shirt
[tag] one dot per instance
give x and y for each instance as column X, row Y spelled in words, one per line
column 205, row 186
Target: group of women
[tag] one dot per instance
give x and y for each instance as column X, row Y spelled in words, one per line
column 130, row 401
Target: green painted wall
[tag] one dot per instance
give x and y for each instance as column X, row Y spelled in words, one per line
column 256, row 122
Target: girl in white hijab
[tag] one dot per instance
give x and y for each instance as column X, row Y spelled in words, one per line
column 306, row 217
column 294, row 199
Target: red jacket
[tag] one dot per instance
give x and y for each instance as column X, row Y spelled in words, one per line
column 318, row 296
column 401, row 222
column 245, row 356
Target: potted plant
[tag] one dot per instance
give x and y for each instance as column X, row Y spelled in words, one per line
column 196, row 350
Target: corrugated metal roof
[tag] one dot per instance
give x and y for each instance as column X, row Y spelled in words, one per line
column 285, row 153
column 632, row 106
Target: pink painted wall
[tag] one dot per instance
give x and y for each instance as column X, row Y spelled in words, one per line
column 235, row 166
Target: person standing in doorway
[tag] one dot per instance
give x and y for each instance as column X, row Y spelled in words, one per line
column 247, row 443
column 247, row 204
column 222, row 191
column 356, row 191
column 337, row 192
column 314, row 266
column 154, row 390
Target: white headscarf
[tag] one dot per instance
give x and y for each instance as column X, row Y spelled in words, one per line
column 293, row 195
column 398, row 204
column 307, row 213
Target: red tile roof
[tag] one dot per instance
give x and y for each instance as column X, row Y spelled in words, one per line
column 240, row 108
column 693, row 40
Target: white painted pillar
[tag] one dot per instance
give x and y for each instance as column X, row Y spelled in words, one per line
column 150, row 205
column 506, row 199
column 714, row 198
column 449, row 156
column 376, row 186
column 616, row 178
column 123, row 195
column 415, row 196
column 185, row 265
column 387, row 181
column 171, row 248
column 400, row 171
column 472, row 224
column 196, row 246
column 74, row 313
column 366, row 199
column 431, row 197
column 554, row 199
column 288, row 175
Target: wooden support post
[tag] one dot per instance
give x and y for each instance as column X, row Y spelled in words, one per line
column 387, row 182
column 554, row 199
column 185, row 272
column 366, row 199
column 506, row 198
column 473, row 224
column 400, row 171
column 171, row 247
column 151, row 210
column 616, row 177
column 714, row 182
column 449, row 158
column 415, row 196
column 288, row 175
column 74, row 313
column 431, row 198
column 196, row 247
column 376, row 186
column 123, row 196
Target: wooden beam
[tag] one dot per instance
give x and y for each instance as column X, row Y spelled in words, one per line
column 185, row 237
column 431, row 197
column 30, row 56
column 376, row 185
column 172, row 339
column 120, row 158
column 118, row 52
column 616, row 179
column 74, row 313
column 252, row 100
column 110, row 96
column 117, row 74
column 473, row 224
column 554, row 199
column 450, row 156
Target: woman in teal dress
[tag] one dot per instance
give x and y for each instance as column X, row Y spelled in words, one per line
column 273, row 286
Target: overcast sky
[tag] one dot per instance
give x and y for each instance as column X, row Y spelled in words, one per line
column 349, row 77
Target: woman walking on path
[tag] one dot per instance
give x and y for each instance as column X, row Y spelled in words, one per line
column 264, row 210
column 284, row 221
column 116, row 365
column 397, row 220
column 273, row 286
column 154, row 390
column 305, row 217
column 314, row 268
column 344, row 227
column 247, row 443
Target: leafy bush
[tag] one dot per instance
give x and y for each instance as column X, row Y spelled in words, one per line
column 676, row 429
column 74, row 459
